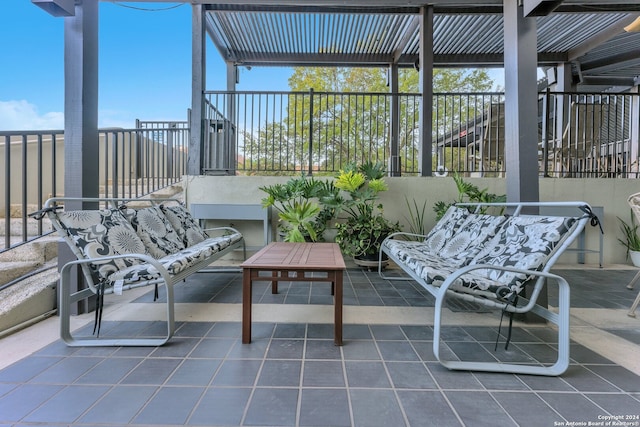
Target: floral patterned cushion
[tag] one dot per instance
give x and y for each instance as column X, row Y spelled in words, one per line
column 184, row 224
column 470, row 238
column 402, row 249
column 445, row 228
column 434, row 269
column 99, row 233
column 175, row 263
column 155, row 231
column 524, row 242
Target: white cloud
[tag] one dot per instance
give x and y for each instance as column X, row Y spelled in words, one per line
column 21, row 115
column 115, row 119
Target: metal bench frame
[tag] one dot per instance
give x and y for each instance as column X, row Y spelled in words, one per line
column 560, row 319
column 67, row 296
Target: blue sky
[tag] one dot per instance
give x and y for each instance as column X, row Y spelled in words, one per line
column 144, row 66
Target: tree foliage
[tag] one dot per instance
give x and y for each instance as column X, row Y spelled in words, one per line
column 339, row 115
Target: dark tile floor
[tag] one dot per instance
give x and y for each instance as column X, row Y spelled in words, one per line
column 591, row 288
column 293, row 375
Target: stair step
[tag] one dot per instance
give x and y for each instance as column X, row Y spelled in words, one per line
column 32, row 297
column 14, row 269
column 41, row 250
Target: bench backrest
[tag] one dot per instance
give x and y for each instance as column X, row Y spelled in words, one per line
column 523, row 241
column 155, row 227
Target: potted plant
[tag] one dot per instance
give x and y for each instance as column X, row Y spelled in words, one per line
column 467, row 192
column 631, row 240
column 303, row 216
column 365, row 226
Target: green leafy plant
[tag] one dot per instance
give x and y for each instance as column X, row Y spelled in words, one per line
column 467, row 192
column 365, row 225
column 300, row 209
column 416, row 218
column 631, row 239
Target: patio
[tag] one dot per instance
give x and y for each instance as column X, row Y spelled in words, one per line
column 292, row 374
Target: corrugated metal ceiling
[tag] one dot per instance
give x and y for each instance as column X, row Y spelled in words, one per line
column 380, row 37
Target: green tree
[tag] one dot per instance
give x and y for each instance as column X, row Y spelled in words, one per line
column 350, row 110
column 348, row 114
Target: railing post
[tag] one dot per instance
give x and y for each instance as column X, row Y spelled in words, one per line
column 634, row 134
column 114, row 162
column 310, row 171
column 7, row 191
column 546, row 101
column 393, row 169
column 170, row 143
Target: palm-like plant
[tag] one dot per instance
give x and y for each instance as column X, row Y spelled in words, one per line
column 467, row 192
column 629, row 230
column 361, row 234
column 298, row 203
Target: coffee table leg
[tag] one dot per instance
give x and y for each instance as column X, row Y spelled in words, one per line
column 246, row 305
column 337, row 302
column 274, row 283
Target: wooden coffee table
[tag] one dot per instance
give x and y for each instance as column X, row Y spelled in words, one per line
column 294, row 262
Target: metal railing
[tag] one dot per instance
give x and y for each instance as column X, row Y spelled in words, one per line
column 132, row 163
column 580, row 135
column 589, row 135
column 273, row 133
column 286, row 133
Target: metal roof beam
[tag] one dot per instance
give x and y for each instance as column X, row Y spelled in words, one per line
column 285, row 8
column 224, row 53
column 409, row 35
column 608, row 81
column 611, row 62
column 603, row 36
column 316, row 59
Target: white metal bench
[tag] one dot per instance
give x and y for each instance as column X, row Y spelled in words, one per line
column 634, row 204
column 490, row 259
column 129, row 244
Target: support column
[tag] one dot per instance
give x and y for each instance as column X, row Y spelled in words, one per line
column 230, row 121
column 521, row 105
column 81, row 140
column 426, row 89
column 394, row 167
column 81, row 178
column 634, row 141
column 564, row 83
column 521, row 114
column 198, row 73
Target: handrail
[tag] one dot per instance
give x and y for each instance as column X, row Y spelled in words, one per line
column 313, row 132
column 132, row 163
column 270, row 133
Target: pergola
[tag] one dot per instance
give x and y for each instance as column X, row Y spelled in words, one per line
column 583, row 43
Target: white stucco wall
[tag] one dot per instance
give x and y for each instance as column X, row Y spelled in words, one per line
column 608, row 193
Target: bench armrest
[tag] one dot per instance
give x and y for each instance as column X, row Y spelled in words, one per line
column 220, row 229
column 144, row 257
column 450, row 280
column 404, row 233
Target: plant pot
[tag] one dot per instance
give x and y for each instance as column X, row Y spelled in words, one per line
column 370, row 261
column 635, row 257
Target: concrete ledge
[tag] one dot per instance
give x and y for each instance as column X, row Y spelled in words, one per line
column 29, row 299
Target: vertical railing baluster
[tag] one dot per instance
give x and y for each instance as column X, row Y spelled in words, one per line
column 25, row 185
column 7, row 190
column 40, row 177
column 310, row 153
